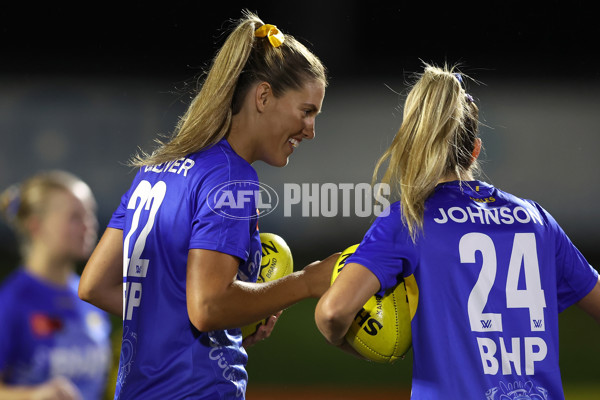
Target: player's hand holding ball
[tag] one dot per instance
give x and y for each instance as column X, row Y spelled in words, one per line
column 381, row 330
column 277, row 262
column 318, row 275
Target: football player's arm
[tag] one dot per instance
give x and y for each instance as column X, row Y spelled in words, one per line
column 591, row 302
column 101, row 282
column 337, row 308
column 217, row 300
column 55, row 388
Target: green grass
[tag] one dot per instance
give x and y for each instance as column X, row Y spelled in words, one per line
column 586, row 391
column 297, row 354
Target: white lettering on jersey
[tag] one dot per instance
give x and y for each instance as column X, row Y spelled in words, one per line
column 489, row 216
column 182, row 165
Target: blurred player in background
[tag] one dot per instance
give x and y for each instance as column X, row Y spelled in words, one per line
column 181, row 253
column 52, row 344
column 493, row 270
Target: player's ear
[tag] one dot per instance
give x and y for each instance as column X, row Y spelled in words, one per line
column 476, row 149
column 263, row 94
column 33, row 225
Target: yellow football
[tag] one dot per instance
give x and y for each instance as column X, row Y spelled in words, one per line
column 277, row 262
column 381, row 330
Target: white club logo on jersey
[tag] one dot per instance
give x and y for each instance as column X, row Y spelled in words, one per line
column 517, row 391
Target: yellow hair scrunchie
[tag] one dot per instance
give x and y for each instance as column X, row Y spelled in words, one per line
column 274, row 35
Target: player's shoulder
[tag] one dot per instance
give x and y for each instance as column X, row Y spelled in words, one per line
column 16, row 286
column 395, row 208
column 389, row 222
column 218, row 161
column 390, row 214
column 530, row 205
column 221, row 159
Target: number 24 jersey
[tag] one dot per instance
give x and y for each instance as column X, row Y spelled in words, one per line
column 493, row 272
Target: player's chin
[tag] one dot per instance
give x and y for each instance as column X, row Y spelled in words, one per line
column 284, row 162
column 281, row 160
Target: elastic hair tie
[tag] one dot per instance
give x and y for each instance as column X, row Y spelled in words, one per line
column 459, row 78
column 275, row 36
column 462, row 84
column 14, row 204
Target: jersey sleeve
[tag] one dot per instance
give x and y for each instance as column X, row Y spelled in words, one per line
column 575, row 276
column 117, row 220
column 225, row 211
column 387, row 249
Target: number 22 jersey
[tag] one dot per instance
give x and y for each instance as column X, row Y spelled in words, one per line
column 202, row 201
column 493, row 272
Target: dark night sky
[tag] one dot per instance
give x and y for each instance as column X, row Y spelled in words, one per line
column 354, row 38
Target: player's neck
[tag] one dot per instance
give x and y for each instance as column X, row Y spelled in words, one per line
column 52, row 269
column 241, row 138
column 465, row 176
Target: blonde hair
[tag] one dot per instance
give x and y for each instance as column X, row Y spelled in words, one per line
column 435, row 140
column 19, row 202
column 242, row 61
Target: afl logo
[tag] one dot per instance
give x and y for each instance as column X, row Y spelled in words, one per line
column 242, row 199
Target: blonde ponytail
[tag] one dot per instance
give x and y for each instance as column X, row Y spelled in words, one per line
column 435, row 140
column 242, row 60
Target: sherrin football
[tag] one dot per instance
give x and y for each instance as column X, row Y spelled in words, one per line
column 277, row 262
column 381, row 330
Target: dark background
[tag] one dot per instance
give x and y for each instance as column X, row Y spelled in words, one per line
column 525, row 39
column 83, row 84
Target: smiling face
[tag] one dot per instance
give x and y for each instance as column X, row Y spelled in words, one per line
column 287, row 120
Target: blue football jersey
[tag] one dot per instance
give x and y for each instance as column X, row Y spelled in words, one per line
column 493, row 272
column 47, row 331
column 206, row 200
